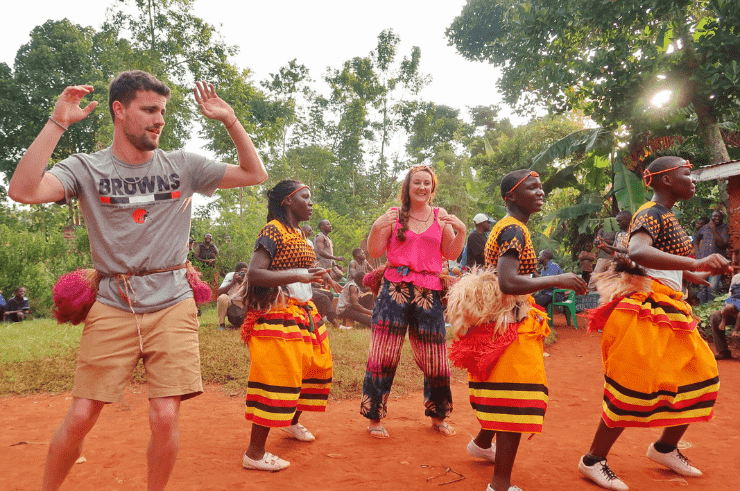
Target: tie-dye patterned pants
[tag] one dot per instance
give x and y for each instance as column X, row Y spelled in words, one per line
column 401, row 307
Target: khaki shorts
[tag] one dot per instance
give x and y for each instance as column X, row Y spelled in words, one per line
column 110, row 350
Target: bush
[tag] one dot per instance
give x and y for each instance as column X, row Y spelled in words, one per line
column 36, row 259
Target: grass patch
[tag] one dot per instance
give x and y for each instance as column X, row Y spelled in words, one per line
column 37, row 338
column 39, row 356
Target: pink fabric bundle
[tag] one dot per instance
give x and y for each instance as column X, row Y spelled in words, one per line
column 374, row 279
column 201, row 291
column 74, row 294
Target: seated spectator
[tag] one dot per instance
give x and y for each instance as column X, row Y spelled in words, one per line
column 206, row 251
column 323, row 298
column 586, row 258
column 728, row 315
column 17, row 308
column 549, row 268
column 455, row 268
column 358, row 264
column 230, row 301
column 349, row 305
column 3, row 305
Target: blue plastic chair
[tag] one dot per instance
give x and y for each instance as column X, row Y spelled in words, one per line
column 569, row 306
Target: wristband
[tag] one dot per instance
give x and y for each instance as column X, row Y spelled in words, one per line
column 228, row 126
column 51, row 118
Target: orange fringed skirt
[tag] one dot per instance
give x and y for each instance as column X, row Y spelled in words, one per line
column 658, row 370
column 514, row 396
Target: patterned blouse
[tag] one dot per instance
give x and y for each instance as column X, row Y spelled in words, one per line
column 511, row 234
column 288, row 249
column 663, row 227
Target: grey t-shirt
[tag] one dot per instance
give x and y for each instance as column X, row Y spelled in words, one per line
column 138, row 219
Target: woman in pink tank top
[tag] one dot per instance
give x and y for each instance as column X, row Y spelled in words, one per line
column 416, row 238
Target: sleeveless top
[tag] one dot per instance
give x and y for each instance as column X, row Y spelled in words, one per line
column 418, row 259
column 207, row 251
column 509, row 233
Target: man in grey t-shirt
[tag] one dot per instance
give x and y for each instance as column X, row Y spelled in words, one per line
column 136, row 202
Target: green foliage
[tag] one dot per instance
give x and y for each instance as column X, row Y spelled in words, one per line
column 514, row 148
column 573, row 55
column 234, row 219
column 629, row 189
column 59, row 54
column 35, row 254
column 579, row 142
column 703, row 311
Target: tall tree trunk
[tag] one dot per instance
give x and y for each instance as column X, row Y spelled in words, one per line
column 706, row 117
column 710, row 134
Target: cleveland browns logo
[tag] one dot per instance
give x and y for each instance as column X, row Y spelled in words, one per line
column 141, row 216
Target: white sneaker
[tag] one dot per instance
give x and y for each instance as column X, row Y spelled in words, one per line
column 675, row 461
column 601, row 474
column 513, row 488
column 268, row 462
column 482, row 453
column 299, row 432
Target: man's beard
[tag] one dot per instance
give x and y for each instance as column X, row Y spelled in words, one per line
column 142, row 143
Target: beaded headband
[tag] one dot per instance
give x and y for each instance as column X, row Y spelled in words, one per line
column 291, row 194
column 531, row 174
column 647, row 176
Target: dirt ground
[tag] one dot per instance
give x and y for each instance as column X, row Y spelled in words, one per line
column 343, row 457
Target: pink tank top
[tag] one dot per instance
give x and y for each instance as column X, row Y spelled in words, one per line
column 418, row 259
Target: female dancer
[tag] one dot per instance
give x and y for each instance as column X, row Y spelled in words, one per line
column 659, row 373
column 415, row 239
column 291, row 366
column 503, row 332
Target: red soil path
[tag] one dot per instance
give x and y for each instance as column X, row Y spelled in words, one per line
column 343, row 457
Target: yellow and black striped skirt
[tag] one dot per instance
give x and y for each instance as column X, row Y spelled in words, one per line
column 514, row 396
column 291, row 365
column 658, row 370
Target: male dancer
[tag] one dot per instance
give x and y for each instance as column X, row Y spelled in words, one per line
column 324, row 247
column 136, row 202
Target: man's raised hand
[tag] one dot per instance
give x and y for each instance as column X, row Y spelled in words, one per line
column 212, row 106
column 67, row 110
